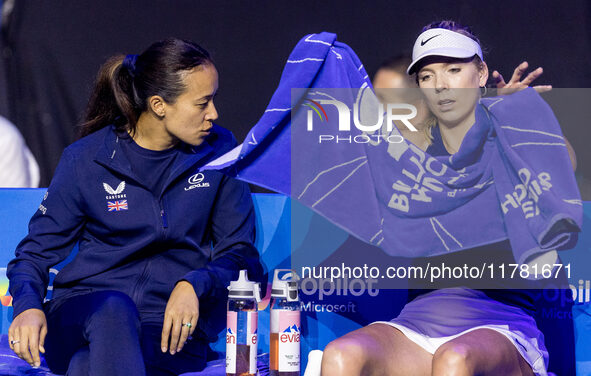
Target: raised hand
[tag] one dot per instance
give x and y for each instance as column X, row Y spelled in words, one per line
column 516, row 83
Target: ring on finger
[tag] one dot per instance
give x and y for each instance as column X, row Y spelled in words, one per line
column 14, row 341
column 188, row 325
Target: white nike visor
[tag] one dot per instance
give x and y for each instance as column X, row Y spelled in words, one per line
column 443, row 42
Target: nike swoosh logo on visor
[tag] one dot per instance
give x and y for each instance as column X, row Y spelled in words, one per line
column 423, row 42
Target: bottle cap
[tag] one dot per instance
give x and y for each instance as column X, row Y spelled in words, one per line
column 285, row 285
column 244, row 289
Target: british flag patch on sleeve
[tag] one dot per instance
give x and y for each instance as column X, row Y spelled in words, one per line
column 117, row 205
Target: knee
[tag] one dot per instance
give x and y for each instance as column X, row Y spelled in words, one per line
column 115, row 307
column 80, row 362
column 452, row 360
column 343, row 356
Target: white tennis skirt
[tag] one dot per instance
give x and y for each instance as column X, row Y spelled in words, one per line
column 439, row 316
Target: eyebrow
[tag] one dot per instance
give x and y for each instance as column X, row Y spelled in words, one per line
column 425, row 70
column 445, row 65
column 207, row 97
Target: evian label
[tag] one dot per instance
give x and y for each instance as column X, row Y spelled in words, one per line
column 241, row 342
column 252, row 340
column 287, row 324
column 231, row 342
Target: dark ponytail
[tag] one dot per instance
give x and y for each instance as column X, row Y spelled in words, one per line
column 124, row 84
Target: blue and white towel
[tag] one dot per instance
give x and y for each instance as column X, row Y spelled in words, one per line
column 511, row 178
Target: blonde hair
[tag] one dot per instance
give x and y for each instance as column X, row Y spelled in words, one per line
column 430, row 123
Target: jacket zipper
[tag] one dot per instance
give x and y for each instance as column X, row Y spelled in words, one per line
column 163, row 215
column 137, row 293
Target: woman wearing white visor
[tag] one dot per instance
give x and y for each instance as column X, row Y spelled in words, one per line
column 450, row 331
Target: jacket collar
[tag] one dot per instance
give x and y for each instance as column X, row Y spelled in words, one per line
column 111, row 155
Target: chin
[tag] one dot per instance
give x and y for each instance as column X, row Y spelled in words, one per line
column 446, row 117
column 446, row 122
column 196, row 141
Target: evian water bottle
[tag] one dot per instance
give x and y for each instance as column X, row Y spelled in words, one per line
column 284, row 352
column 241, row 330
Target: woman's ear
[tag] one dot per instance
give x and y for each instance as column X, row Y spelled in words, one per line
column 157, row 105
column 483, row 74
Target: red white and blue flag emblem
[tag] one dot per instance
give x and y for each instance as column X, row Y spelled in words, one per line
column 117, row 205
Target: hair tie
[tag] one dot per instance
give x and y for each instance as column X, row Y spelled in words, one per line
column 129, row 64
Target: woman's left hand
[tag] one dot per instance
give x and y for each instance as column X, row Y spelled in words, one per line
column 516, row 83
column 180, row 317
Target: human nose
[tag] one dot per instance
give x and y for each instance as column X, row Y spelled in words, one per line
column 212, row 112
column 441, row 83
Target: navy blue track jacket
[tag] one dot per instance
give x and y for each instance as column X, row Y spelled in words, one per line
column 200, row 228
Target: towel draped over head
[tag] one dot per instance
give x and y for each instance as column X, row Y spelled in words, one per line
column 511, row 178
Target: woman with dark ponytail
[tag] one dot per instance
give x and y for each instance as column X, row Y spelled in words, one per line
column 158, row 240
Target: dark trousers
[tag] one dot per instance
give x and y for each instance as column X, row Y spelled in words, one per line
column 100, row 333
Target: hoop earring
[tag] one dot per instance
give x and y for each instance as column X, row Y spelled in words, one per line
column 482, row 94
